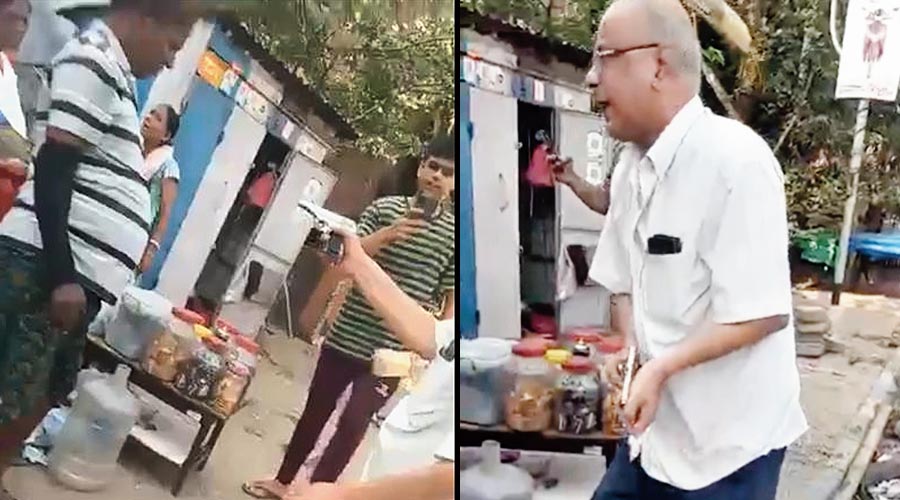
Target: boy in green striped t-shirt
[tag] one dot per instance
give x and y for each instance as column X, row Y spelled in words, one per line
column 417, row 251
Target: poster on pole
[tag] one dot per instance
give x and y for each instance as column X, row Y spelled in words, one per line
column 870, row 53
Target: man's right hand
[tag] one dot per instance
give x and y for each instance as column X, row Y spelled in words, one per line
column 68, row 306
column 405, row 228
column 563, row 170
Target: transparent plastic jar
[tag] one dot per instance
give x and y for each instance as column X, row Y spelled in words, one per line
column 529, row 404
column 231, row 388
column 199, row 375
column 141, row 317
column 578, row 397
column 175, row 346
column 483, row 380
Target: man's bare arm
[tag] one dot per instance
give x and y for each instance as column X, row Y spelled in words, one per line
column 621, row 317
column 436, row 482
column 412, row 324
column 595, row 197
column 718, row 340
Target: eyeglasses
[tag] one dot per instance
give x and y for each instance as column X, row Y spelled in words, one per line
column 444, row 169
column 601, row 54
column 604, row 53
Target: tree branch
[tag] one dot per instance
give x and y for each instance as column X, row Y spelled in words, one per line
column 785, row 133
column 720, row 92
column 806, row 78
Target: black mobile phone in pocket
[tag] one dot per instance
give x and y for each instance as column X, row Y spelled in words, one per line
column 661, row 244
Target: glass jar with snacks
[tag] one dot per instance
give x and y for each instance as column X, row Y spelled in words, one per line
column 199, row 375
column 231, row 388
column 529, row 404
column 578, row 396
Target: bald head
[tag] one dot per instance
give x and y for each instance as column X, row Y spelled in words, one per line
column 667, row 23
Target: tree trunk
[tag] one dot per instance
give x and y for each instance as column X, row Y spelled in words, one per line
column 720, row 92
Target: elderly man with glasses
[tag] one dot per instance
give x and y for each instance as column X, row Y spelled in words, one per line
column 695, row 253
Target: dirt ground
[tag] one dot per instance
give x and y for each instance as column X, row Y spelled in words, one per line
column 251, row 445
column 833, row 389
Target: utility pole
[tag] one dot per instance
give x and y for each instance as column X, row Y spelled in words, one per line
column 856, row 157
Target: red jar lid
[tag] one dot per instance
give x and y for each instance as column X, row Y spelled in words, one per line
column 611, row 344
column 579, row 365
column 188, row 316
column 530, row 348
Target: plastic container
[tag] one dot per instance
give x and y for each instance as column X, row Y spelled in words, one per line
column 247, row 351
column 529, row 404
column 231, row 388
column 141, row 317
column 171, row 349
column 578, row 397
column 483, row 379
column 86, row 452
column 199, row 375
column 493, row 480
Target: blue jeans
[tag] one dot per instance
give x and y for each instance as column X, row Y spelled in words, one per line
column 626, row 480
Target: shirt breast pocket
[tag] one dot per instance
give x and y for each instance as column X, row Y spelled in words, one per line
column 666, row 285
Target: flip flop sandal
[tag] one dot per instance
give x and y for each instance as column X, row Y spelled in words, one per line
column 255, row 491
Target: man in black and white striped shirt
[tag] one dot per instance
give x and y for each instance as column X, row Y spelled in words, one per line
column 77, row 231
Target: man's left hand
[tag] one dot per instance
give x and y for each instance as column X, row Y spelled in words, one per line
column 147, row 259
column 320, row 491
column 643, row 400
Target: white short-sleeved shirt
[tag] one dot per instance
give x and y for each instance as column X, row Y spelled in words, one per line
column 421, row 429
column 716, row 185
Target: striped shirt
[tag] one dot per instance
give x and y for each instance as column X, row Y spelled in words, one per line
column 423, row 266
column 92, row 97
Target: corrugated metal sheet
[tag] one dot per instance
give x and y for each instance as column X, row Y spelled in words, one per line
column 517, row 32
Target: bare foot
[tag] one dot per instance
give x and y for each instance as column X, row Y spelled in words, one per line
column 267, row 489
column 297, row 487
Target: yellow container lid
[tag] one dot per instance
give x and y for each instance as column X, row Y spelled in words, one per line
column 557, row 356
column 202, row 332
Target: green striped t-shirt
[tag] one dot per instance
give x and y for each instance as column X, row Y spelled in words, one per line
column 423, row 266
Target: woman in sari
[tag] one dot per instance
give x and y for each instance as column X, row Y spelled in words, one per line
column 161, row 172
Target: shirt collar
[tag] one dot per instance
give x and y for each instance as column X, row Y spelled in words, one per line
column 100, row 26
column 662, row 153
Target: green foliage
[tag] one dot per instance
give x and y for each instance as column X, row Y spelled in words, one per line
column 714, row 57
column 387, row 65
